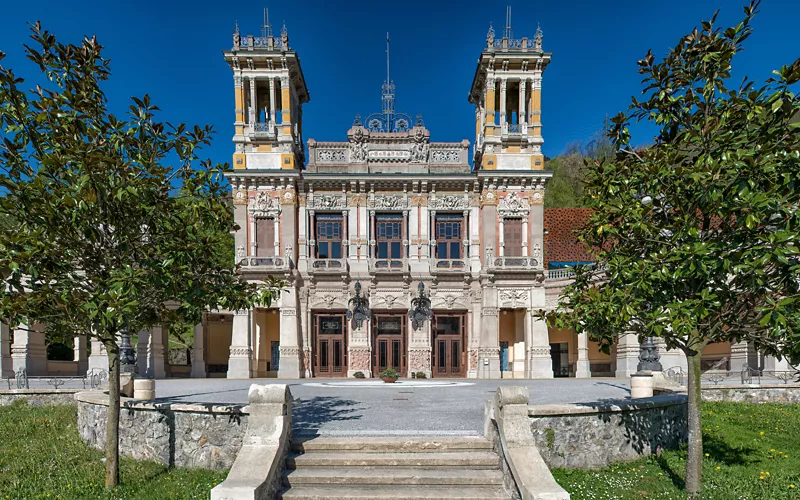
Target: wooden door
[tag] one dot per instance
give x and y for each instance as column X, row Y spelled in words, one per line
column 389, row 343
column 449, row 353
column 330, row 354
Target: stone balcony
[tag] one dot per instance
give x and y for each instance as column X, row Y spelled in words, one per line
column 327, row 266
column 515, row 264
column 388, row 266
column 260, row 130
column 449, row 266
column 265, row 264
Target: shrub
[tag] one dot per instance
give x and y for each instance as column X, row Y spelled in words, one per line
column 359, row 375
column 421, row 375
column 389, row 373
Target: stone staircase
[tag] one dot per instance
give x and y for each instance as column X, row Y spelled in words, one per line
column 393, row 468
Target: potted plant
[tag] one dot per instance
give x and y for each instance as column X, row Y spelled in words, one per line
column 421, row 375
column 389, row 375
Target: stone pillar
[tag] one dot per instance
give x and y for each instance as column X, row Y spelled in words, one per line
column 502, row 242
column 272, row 100
column 739, row 357
column 290, row 350
column 240, row 361
column 582, row 368
column 253, row 102
column 674, row 358
column 259, row 341
column 150, row 353
column 28, row 350
column 198, row 351
column 540, row 363
column 628, row 355
column 522, row 118
column 79, row 350
column 6, row 369
column 98, row 359
column 503, row 114
column 489, row 354
column 286, row 107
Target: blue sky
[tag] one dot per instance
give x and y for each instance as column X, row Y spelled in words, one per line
column 172, row 51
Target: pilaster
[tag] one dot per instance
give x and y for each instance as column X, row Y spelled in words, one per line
column 582, row 368
column 80, row 355
column 540, row 363
column 290, row 366
column 98, row 358
column 28, row 350
column 240, row 361
column 198, row 351
column 489, row 354
column 6, row 367
column 150, row 351
column 628, row 355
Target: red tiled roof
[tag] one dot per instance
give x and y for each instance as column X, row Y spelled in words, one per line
column 561, row 243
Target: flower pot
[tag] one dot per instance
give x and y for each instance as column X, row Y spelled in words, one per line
column 389, row 380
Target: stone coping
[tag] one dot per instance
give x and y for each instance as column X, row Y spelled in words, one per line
column 749, row 386
column 38, row 392
column 619, row 406
column 101, row 398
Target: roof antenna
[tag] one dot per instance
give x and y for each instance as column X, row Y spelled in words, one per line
column 266, row 29
column 387, row 57
column 507, row 31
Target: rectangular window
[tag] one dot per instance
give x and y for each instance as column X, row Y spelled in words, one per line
column 329, row 232
column 389, row 232
column 512, row 237
column 265, row 237
column 448, row 236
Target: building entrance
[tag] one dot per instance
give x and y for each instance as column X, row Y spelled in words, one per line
column 389, row 343
column 330, row 354
column 449, row 355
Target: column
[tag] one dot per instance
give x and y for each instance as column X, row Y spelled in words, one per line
column 272, row 100
column 240, row 361
column 502, row 243
column 540, row 363
column 432, row 246
column 289, row 343
column 150, row 351
column 253, row 243
column 467, row 235
column 739, row 357
column 28, row 350
column 277, row 238
column 525, row 251
column 503, row 114
column 79, row 349
column 198, row 351
column 286, row 107
column 522, row 117
column 6, row 369
column 582, row 368
column 98, row 358
column 259, row 341
column 489, row 353
column 628, row 355
column 238, row 93
column 489, row 100
column 253, row 102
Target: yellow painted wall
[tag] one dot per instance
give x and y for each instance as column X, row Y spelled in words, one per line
column 490, row 106
column 489, row 162
column 512, row 149
column 287, row 161
column 595, row 356
column 239, row 160
column 264, row 148
column 219, row 342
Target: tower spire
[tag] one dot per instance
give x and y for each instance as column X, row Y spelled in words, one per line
column 387, row 56
column 388, row 90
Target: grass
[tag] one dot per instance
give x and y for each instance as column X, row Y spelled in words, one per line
column 751, row 451
column 42, row 456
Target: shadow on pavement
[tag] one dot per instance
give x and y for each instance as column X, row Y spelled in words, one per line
column 309, row 415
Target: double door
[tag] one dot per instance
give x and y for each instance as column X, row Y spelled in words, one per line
column 449, row 354
column 330, row 355
column 389, row 343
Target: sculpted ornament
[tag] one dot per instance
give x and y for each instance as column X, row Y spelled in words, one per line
column 265, row 202
column 513, row 205
column 448, row 202
column 388, row 202
column 325, row 201
column 514, row 297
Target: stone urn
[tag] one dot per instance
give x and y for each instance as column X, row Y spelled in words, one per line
column 389, row 380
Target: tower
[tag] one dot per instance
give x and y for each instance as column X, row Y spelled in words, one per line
column 269, row 93
column 506, row 92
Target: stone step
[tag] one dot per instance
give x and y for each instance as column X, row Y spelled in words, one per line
column 392, row 476
column 382, row 444
column 468, row 459
column 402, row 492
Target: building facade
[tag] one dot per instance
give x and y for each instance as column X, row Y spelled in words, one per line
column 396, row 251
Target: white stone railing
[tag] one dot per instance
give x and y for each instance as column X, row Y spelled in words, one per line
column 327, row 265
column 332, row 154
column 560, row 274
column 449, row 265
column 388, row 265
column 261, row 263
column 515, row 263
column 445, row 153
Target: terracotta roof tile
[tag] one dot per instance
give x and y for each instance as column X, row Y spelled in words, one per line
column 561, row 243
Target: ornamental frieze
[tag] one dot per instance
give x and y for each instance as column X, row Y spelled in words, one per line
column 326, row 201
column 388, row 202
column 513, row 205
column 448, row 202
column 514, row 298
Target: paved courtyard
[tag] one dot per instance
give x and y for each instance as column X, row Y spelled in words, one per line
column 342, row 407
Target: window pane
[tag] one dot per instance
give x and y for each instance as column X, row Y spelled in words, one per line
column 396, row 354
column 455, row 250
column 336, row 250
column 322, row 250
column 382, row 249
column 323, row 355
column 396, row 250
column 441, row 250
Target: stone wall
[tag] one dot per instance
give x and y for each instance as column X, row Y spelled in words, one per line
column 39, row 397
column 180, row 435
column 595, row 435
column 749, row 394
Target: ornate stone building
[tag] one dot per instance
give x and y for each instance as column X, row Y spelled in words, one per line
column 396, row 250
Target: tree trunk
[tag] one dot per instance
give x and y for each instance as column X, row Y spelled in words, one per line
column 112, row 424
column 694, row 463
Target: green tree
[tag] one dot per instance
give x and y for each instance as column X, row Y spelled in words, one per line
column 698, row 233
column 99, row 242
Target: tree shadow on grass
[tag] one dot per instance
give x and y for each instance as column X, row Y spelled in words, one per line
column 720, row 450
column 310, row 415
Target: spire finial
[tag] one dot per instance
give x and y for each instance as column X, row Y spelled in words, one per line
column 387, row 57
column 284, row 37
column 236, row 29
column 537, row 40
column 490, row 37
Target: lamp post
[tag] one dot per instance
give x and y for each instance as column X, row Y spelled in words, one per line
column 420, row 309
column 127, row 362
column 359, row 310
column 649, row 359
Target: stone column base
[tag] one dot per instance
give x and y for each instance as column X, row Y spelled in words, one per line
column 540, row 364
column 240, row 362
column 290, row 363
column 489, row 363
column 582, row 369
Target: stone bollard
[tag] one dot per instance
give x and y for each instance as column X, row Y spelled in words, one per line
column 641, row 385
column 144, row 388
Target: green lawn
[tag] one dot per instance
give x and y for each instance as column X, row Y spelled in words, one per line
column 42, row 456
column 752, row 451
